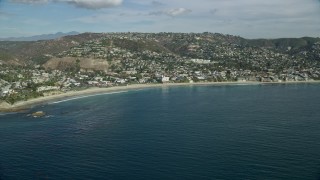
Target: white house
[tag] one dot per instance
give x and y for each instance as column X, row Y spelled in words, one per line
column 47, row 88
column 165, row 79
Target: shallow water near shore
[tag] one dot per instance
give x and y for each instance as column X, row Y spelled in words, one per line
column 84, row 96
column 192, row 132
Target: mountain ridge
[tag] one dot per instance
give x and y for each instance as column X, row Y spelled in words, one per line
column 40, row 37
column 226, row 49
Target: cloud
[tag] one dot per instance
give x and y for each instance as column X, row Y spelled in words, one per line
column 213, row 11
column 157, row 3
column 95, row 4
column 172, row 12
column 29, row 1
column 178, row 12
column 88, row 4
column 248, row 18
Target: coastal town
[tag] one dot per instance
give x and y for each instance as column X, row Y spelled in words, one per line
column 121, row 59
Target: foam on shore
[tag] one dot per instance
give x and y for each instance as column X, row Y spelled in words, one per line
column 72, row 95
column 80, row 97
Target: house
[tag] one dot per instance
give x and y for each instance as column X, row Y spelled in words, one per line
column 93, row 83
column 47, row 88
column 165, row 79
column 98, row 78
column 121, row 81
column 5, row 90
column 201, row 78
column 241, row 79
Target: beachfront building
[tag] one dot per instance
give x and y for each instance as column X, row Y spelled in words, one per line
column 165, row 79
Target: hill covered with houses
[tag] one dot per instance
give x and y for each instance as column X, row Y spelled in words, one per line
column 30, row 69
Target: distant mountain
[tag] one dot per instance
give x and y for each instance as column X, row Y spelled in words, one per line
column 40, row 37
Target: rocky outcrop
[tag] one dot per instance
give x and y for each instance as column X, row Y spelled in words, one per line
column 38, row 114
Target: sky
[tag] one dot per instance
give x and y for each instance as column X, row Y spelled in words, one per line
column 245, row 18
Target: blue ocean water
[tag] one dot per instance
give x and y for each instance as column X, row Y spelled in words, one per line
column 192, row 132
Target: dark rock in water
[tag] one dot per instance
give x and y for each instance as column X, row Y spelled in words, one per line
column 38, row 114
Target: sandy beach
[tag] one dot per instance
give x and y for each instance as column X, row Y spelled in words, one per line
column 24, row 105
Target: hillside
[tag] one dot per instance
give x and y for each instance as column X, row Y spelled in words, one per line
column 33, row 69
column 229, row 50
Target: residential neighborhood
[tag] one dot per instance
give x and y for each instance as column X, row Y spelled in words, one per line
column 115, row 59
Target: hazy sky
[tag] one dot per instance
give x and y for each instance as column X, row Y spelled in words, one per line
column 247, row 18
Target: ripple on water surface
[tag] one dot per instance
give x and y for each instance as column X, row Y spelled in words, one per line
column 196, row 132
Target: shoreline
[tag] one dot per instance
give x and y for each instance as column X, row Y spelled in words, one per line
column 25, row 105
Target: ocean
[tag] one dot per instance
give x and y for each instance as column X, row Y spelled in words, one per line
column 191, row 132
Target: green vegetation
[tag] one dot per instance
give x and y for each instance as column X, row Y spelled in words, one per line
column 40, row 59
column 5, row 56
column 115, row 59
column 21, row 96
